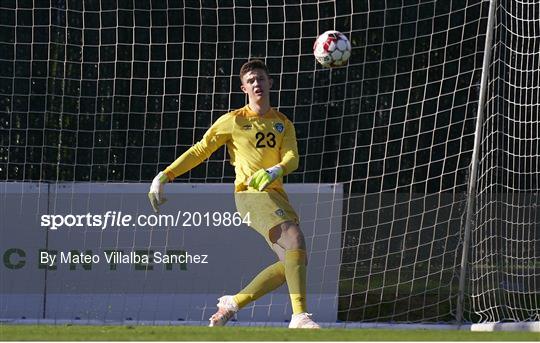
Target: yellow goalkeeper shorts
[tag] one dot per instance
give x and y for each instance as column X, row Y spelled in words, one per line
column 266, row 209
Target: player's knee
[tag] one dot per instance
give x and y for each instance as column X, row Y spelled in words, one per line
column 288, row 235
column 297, row 240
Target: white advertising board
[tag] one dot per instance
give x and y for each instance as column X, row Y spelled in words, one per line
column 69, row 252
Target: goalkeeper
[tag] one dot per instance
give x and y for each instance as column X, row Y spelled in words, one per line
column 262, row 147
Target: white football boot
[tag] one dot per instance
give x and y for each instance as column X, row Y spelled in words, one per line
column 303, row 321
column 227, row 308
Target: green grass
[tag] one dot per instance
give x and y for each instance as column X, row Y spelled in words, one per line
column 189, row 333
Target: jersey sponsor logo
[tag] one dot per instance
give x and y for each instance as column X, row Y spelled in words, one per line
column 279, row 127
column 247, row 127
column 280, row 212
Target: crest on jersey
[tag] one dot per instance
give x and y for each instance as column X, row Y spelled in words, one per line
column 280, row 212
column 279, row 127
column 247, row 127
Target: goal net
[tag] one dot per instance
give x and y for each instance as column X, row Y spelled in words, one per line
column 505, row 260
column 95, row 93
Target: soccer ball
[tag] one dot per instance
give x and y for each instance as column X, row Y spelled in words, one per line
column 332, row 49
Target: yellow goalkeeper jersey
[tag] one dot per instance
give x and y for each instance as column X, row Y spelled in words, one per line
column 253, row 141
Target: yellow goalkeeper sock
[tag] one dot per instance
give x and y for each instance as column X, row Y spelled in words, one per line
column 266, row 281
column 295, row 273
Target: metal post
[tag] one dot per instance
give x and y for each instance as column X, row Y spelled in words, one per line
column 471, row 191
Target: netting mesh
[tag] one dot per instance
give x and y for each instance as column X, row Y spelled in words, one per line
column 114, row 91
column 505, row 263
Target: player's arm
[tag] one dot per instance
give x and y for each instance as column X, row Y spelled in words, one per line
column 289, row 150
column 217, row 135
column 289, row 161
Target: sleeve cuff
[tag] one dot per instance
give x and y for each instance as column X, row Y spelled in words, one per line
column 169, row 174
column 284, row 171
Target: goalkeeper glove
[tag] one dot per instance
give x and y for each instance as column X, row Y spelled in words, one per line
column 262, row 178
column 156, row 191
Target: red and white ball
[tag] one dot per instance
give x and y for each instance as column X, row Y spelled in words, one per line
column 332, row 49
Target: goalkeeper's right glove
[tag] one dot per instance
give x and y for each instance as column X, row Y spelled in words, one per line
column 263, row 178
column 156, row 194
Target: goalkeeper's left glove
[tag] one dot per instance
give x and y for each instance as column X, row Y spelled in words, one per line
column 156, row 191
column 263, row 178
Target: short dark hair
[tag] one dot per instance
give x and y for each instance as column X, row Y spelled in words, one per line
column 252, row 65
